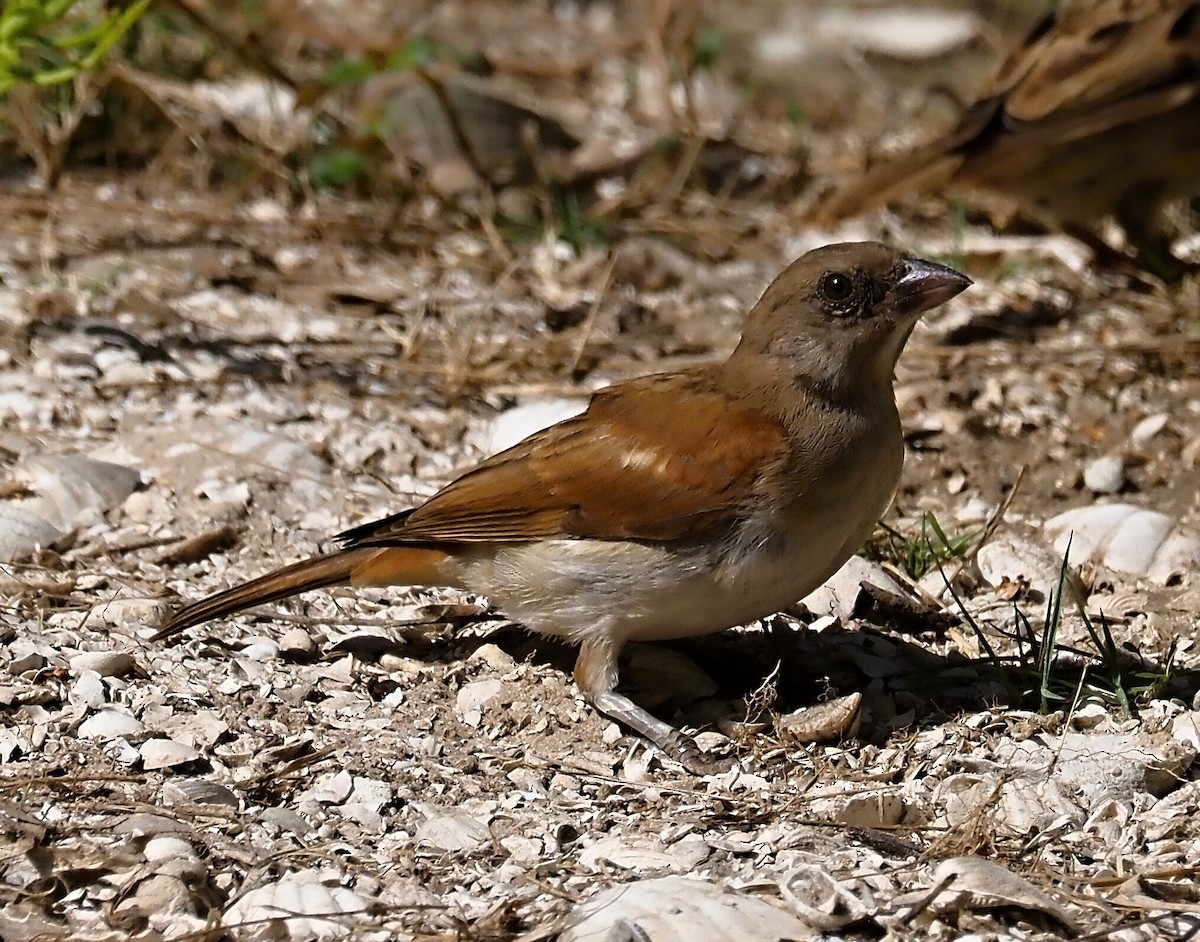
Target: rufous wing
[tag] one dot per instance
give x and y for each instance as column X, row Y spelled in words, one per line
column 660, row 458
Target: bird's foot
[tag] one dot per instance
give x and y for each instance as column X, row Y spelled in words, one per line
column 683, row 749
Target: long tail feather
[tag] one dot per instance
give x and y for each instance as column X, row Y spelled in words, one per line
column 316, row 573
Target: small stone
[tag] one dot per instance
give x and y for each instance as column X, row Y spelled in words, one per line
column 1009, row 558
column 166, row 848
column 1148, row 428
column 125, row 613
column 1185, row 728
column 144, row 824
column 1089, row 715
column 331, row 789
column 677, row 907
column 104, row 663
column 162, row 897
column 840, row 593
column 32, row 661
column 523, row 420
column 494, row 656
column 87, row 691
column 300, row 906
column 523, row 850
column 297, row 643
column 260, row 649
column 286, row 820
column 1105, row 475
column 474, row 696
column 371, row 793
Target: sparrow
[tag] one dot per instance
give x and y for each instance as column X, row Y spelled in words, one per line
column 1097, row 113
column 677, row 504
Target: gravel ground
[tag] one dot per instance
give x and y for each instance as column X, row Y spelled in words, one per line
column 198, row 386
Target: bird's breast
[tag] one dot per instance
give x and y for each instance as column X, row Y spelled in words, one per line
column 779, row 558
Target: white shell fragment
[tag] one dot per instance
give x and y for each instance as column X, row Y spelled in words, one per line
column 1148, row 428
column 642, row 854
column 271, row 450
column 474, row 697
column 454, row 831
column 299, row 906
column 822, row 722
column 681, row 909
column 22, row 528
column 166, row 753
column 820, row 900
column 972, row 883
column 1009, row 558
column 199, row 791
column 1099, row 765
column 1127, row 539
column 109, row 724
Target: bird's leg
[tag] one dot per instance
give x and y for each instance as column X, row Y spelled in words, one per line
column 596, row 675
column 1139, row 217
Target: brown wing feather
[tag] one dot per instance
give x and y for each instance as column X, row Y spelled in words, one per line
column 624, row 469
column 1099, row 53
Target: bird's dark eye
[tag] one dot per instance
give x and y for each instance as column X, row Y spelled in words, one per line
column 836, row 286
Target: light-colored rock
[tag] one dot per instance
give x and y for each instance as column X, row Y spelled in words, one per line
column 260, row 649
column 1105, row 475
column 109, row 724
column 494, row 656
column 131, row 612
column 1100, row 764
column 371, row 793
column 87, row 690
column 901, row 32
column 839, row 595
column 165, row 847
column 104, row 663
column 473, row 697
column 166, row 754
column 681, row 909
column 641, row 854
column 1148, row 428
column 297, row 643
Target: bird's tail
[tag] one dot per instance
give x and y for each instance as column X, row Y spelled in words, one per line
column 316, row 573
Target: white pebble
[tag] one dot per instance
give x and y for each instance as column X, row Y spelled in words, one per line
column 1105, row 475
